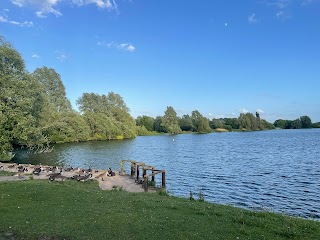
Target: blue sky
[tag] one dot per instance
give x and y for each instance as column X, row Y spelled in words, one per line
column 219, row 57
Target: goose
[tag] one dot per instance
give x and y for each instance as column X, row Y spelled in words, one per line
column 37, row 171
column 111, row 173
column 22, row 169
column 84, row 178
column 1, row 168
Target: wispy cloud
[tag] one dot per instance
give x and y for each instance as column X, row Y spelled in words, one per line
column 280, row 4
column 34, row 55
column 5, row 19
column 252, row 19
column 121, row 46
column 61, row 55
column 243, row 110
column 46, row 7
column 43, row 7
column 104, row 4
column 260, row 111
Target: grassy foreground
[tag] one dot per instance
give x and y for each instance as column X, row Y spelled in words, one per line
column 37, row 209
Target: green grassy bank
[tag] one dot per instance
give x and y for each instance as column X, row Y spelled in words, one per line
column 37, row 209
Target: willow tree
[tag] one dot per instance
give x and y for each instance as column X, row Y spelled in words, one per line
column 107, row 115
column 21, row 103
column 170, row 121
column 200, row 123
column 53, row 86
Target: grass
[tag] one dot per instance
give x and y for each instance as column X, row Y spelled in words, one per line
column 72, row 210
column 4, row 173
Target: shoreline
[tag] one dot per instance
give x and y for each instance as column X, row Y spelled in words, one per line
column 51, row 173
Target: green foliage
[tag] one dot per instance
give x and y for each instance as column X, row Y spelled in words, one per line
column 142, row 131
column 316, row 125
column 107, row 116
column 170, row 121
column 200, row 123
column 157, row 124
column 305, row 122
column 146, row 121
column 53, row 87
column 216, row 123
column 233, row 122
column 296, row 124
column 185, row 123
column 247, row 121
column 191, row 198
column 284, row 124
column 20, row 103
column 201, row 196
column 73, row 210
column 302, row 122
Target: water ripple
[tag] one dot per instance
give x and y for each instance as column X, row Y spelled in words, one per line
column 271, row 170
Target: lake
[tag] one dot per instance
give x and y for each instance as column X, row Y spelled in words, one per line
column 276, row 170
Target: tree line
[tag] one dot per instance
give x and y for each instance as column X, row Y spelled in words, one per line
column 302, row 122
column 196, row 122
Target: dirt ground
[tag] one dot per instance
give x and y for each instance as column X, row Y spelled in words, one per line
column 105, row 182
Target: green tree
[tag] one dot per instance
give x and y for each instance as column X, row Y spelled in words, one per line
column 170, row 121
column 20, row 103
column 107, row 116
column 306, row 122
column 53, row 87
column 157, row 124
column 296, row 124
column 316, row 125
column 185, row 123
column 200, row 123
column 216, row 123
column 146, row 121
column 233, row 122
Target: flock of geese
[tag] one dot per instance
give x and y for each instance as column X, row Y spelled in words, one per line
column 55, row 173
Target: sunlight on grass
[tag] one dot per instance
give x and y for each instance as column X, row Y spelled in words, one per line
column 72, row 210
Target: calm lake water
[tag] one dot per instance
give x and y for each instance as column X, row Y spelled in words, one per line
column 275, row 170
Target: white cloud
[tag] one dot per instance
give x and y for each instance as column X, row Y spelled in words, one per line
column 45, row 7
column 107, row 4
column 61, row 56
column 252, row 19
column 243, row 110
column 35, row 56
column 280, row 4
column 121, row 46
column 281, row 15
column 127, row 47
column 260, row 111
column 21, row 24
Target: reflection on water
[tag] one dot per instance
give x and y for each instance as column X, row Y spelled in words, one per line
column 274, row 170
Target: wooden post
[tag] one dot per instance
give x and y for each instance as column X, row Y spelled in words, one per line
column 121, row 167
column 163, row 179
column 152, row 178
column 144, row 172
column 138, row 172
column 145, row 183
column 132, row 168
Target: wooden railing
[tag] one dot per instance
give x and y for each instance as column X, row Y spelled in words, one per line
column 135, row 173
